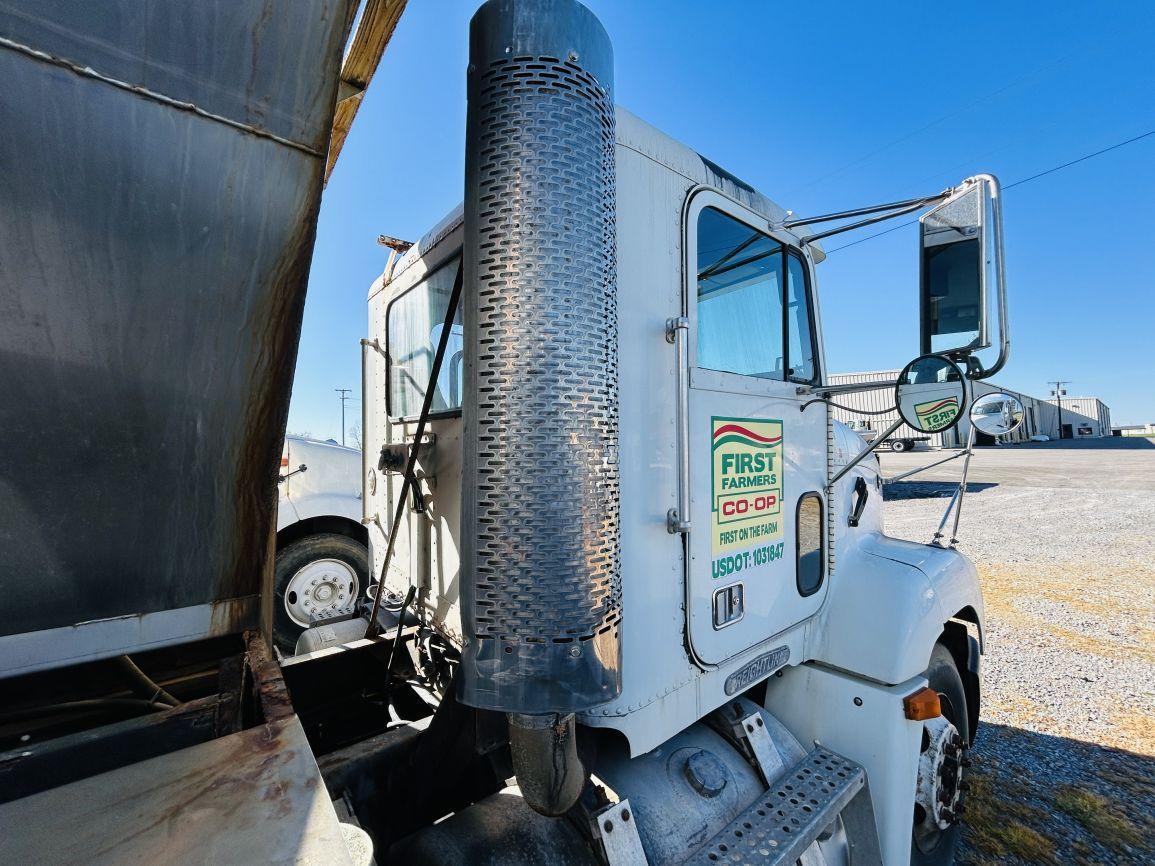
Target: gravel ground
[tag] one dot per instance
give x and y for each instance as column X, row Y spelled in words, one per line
column 1065, row 760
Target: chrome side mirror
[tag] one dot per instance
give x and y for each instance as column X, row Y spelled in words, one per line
column 931, row 394
column 962, row 289
column 997, row 414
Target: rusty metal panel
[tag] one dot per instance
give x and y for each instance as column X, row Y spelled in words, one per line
column 160, row 175
column 251, row 797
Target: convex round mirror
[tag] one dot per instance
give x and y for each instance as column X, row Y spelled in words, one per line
column 997, row 414
column 931, row 394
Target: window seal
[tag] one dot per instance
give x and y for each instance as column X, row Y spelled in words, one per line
column 808, row 294
column 810, row 494
column 457, row 257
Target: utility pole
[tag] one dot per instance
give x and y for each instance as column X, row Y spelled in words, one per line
column 1057, row 392
column 344, row 392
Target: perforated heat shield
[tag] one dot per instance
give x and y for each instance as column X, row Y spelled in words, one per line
column 540, row 564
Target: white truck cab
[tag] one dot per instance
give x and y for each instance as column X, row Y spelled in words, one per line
column 322, row 562
column 635, row 520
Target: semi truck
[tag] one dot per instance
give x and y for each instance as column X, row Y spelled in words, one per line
column 630, row 600
column 899, row 444
column 322, row 563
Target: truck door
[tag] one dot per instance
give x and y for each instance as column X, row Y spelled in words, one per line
column 757, row 464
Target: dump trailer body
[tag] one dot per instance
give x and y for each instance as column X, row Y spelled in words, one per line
column 160, row 175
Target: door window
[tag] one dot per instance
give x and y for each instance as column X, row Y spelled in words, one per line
column 811, row 563
column 739, row 298
column 742, row 325
column 803, row 364
column 413, row 324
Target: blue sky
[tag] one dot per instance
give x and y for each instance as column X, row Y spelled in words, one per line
column 821, row 106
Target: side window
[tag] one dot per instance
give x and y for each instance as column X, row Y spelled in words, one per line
column 413, row 325
column 811, row 562
column 803, row 364
column 741, row 320
column 739, row 298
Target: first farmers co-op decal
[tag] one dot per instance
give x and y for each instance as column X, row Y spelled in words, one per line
column 936, row 415
column 745, row 494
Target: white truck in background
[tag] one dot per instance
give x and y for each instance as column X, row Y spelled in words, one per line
column 322, row 562
column 899, row 444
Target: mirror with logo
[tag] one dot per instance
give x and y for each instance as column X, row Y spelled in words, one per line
column 931, row 394
column 997, row 414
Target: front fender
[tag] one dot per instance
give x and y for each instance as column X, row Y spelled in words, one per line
column 320, row 505
column 887, row 605
column 952, row 576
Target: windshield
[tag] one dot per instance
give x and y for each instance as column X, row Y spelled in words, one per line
column 413, row 328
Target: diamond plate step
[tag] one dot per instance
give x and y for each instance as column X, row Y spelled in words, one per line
column 784, row 821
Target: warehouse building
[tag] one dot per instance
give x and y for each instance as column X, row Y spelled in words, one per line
column 1084, row 418
column 1042, row 416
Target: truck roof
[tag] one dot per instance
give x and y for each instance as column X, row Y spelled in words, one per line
column 649, row 141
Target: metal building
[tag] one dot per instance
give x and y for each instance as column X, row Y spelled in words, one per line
column 1083, row 417
column 1042, row 416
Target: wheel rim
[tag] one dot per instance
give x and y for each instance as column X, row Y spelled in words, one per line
column 323, row 589
column 938, row 793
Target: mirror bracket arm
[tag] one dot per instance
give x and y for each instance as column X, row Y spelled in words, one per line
column 858, row 458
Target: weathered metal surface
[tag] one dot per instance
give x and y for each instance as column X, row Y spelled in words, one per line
column 252, row 797
column 157, row 213
column 268, row 679
column 39, row 766
column 100, row 638
column 265, row 63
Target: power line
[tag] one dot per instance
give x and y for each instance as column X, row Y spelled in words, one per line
column 1080, row 159
column 1083, row 158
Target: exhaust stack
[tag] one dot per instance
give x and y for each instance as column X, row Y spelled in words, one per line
column 540, row 548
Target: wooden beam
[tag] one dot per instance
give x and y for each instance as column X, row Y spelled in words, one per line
column 374, row 30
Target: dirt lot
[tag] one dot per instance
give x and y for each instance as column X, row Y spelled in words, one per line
column 1063, row 534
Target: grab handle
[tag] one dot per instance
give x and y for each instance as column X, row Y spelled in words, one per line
column 677, row 332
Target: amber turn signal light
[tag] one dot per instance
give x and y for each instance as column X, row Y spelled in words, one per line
column 922, row 705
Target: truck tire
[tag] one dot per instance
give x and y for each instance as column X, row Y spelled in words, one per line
column 315, row 575
column 899, row 445
column 938, row 849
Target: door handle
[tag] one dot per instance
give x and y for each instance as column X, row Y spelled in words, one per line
column 677, row 332
column 862, row 493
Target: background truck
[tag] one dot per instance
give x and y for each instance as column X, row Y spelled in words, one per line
column 322, row 563
column 632, row 601
column 869, row 434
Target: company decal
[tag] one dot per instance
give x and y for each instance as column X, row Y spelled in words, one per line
column 746, row 493
column 936, row 414
column 760, row 667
